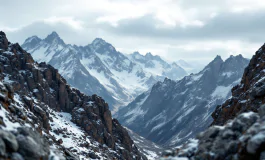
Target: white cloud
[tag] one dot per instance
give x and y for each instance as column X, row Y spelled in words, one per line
column 174, row 29
column 75, row 24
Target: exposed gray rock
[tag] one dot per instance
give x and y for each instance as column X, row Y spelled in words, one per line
column 10, row 140
column 30, row 149
column 16, row 156
column 2, row 148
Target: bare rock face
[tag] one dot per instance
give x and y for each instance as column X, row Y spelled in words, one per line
column 4, row 41
column 248, row 95
column 42, row 89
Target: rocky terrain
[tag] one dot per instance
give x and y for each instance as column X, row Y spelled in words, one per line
column 171, row 112
column 42, row 117
column 237, row 131
column 98, row 68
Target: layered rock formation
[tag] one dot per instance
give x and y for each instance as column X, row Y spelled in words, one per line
column 35, row 95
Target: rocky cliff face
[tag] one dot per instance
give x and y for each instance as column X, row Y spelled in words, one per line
column 35, row 95
column 248, row 95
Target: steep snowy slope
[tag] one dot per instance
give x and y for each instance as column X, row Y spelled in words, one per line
column 173, row 111
column 121, row 78
column 41, row 116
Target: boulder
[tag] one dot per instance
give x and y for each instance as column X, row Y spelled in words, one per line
column 10, row 140
column 2, row 148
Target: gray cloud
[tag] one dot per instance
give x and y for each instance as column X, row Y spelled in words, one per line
column 247, row 26
column 69, row 34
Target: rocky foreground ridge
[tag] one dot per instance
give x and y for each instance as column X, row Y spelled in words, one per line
column 42, row 117
column 237, row 132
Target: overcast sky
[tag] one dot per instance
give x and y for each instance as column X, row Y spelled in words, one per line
column 174, row 29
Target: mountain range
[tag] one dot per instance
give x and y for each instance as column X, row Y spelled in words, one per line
column 99, row 68
column 171, row 112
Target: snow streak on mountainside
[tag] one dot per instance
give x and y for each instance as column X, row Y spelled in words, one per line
column 173, row 111
column 99, row 68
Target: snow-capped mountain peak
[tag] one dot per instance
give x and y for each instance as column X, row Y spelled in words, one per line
column 214, row 65
column 98, row 41
column 54, row 38
column 217, row 59
column 101, row 46
column 148, row 55
column 32, row 39
column 31, row 42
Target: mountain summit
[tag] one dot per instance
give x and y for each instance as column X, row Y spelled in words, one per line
column 54, row 38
